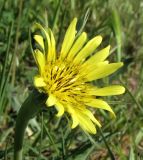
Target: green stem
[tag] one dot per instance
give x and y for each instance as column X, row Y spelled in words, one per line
column 32, row 105
column 106, row 144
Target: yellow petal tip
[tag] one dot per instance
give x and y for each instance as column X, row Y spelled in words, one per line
column 75, row 20
column 99, row 38
column 39, row 81
column 121, row 63
column 51, row 100
column 108, row 47
column 122, row 89
column 84, row 34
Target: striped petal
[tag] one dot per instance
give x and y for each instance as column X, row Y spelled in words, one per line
column 88, row 49
column 103, row 71
column 68, row 39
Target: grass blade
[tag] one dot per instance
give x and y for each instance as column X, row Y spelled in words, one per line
column 107, row 146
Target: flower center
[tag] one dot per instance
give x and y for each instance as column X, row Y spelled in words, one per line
column 61, row 76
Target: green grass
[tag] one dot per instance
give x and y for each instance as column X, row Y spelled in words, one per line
column 48, row 137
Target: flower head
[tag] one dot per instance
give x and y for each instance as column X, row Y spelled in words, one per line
column 66, row 76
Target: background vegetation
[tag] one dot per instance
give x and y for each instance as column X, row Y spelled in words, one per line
column 47, row 137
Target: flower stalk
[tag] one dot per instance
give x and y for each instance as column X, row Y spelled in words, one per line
column 30, row 108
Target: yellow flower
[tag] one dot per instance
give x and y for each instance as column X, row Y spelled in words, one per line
column 66, row 76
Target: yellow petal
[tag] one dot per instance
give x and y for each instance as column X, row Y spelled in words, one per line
column 75, row 121
column 82, row 117
column 86, row 124
column 98, row 103
column 88, row 49
column 40, row 59
column 49, row 57
column 39, row 40
column 108, row 91
column 53, row 47
column 51, row 100
column 91, row 116
column 99, row 56
column 60, row 109
column 68, row 39
column 72, row 113
column 39, row 81
column 88, row 68
column 77, row 46
column 103, row 71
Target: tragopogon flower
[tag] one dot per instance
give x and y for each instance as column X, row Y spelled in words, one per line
column 66, row 76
